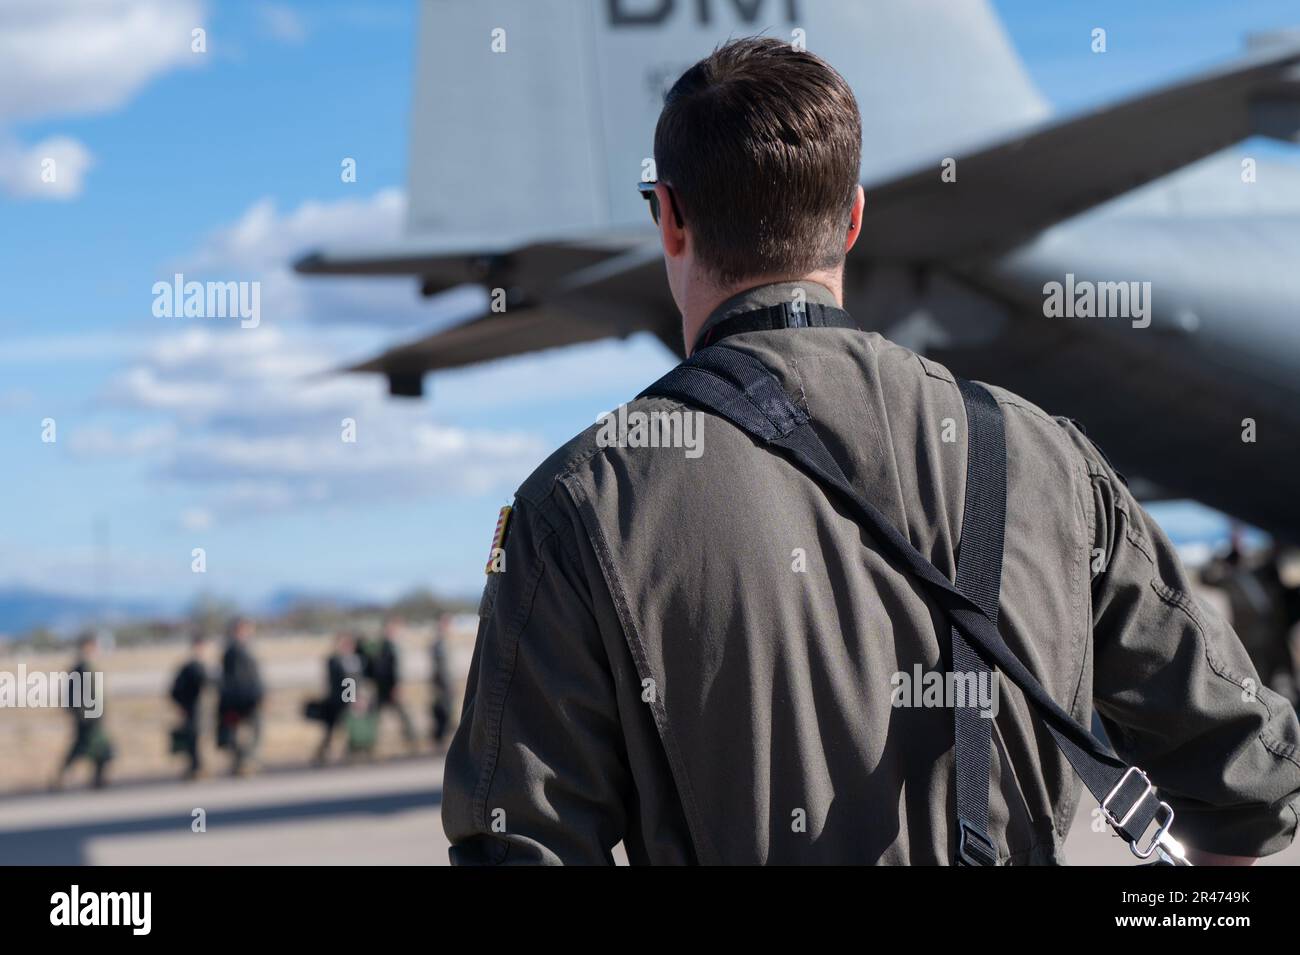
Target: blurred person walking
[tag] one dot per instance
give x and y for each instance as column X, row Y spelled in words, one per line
column 382, row 668
column 187, row 693
column 89, row 738
column 239, row 704
column 343, row 671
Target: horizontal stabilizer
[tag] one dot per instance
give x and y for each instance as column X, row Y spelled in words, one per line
column 442, row 262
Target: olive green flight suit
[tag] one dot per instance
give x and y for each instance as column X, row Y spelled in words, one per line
column 695, row 653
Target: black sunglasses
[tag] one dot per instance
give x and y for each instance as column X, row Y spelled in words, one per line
column 647, row 190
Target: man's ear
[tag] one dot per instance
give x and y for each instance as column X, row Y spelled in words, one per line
column 671, row 234
column 855, row 219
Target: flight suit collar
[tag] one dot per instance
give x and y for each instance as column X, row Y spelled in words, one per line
column 765, row 296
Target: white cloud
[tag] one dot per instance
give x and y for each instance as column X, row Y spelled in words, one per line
column 54, row 168
column 259, row 411
column 262, row 237
column 242, row 375
column 392, row 455
column 264, row 429
column 263, row 243
column 286, row 374
column 76, row 57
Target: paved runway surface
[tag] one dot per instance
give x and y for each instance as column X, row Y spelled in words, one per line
column 354, row 815
column 386, row 814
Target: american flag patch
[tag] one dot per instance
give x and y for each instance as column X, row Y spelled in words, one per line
column 495, row 561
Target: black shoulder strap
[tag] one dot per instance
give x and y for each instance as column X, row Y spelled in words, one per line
column 738, row 387
column 979, row 577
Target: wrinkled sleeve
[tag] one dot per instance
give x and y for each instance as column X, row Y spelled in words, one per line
column 1178, row 694
column 536, row 773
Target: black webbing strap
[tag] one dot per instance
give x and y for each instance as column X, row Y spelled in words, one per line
column 738, row 387
column 781, row 315
column 979, row 577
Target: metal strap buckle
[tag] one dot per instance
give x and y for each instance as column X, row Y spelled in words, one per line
column 1119, row 823
column 1161, row 830
column 974, row 848
column 1162, row 841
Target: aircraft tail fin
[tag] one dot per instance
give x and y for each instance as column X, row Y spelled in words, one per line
column 538, row 115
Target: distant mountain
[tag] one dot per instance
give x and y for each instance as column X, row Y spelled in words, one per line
column 283, row 601
column 24, row 608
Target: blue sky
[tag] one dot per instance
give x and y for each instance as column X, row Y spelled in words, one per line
column 176, row 435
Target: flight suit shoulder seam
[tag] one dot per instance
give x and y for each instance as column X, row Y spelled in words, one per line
column 562, row 475
column 935, row 370
column 546, row 510
column 1006, row 399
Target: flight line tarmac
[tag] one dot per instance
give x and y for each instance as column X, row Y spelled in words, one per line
column 362, row 814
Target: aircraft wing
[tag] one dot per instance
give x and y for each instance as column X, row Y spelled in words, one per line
column 577, row 288
column 1010, row 190
column 617, row 295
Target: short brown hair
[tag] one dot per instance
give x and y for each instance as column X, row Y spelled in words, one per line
column 761, row 145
